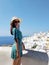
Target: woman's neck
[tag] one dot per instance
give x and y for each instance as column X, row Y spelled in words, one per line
column 18, row 28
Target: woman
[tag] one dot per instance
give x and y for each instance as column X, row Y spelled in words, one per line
column 16, row 52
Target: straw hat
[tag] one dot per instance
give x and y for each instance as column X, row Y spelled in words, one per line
column 14, row 18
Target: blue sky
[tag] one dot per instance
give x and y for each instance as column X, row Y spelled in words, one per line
column 35, row 15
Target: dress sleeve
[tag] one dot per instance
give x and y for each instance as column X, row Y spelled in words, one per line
column 15, row 33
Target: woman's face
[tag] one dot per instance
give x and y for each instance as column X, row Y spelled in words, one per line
column 17, row 24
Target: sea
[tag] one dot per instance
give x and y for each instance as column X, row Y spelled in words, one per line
column 7, row 40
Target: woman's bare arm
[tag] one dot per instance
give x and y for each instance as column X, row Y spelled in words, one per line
column 23, row 46
column 17, row 44
column 18, row 55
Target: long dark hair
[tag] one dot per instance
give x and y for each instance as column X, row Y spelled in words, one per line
column 13, row 26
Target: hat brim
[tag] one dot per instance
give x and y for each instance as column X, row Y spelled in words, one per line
column 14, row 18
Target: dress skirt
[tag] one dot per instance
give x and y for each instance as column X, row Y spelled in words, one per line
column 14, row 52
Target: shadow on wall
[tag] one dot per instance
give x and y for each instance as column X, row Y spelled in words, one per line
column 35, row 58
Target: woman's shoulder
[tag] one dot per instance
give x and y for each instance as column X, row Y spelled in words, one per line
column 17, row 30
column 14, row 29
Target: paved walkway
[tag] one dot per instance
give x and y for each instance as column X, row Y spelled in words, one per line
column 31, row 58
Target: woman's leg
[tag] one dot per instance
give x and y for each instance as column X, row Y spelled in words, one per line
column 13, row 62
column 17, row 61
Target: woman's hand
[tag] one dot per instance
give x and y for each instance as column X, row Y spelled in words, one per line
column 18, row 54
column 23, row 46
